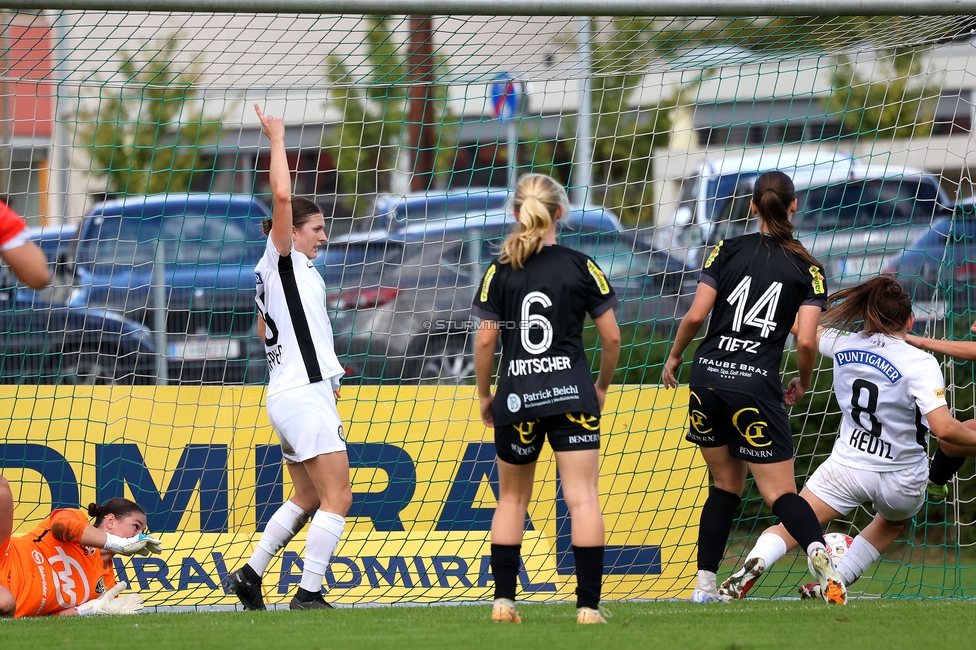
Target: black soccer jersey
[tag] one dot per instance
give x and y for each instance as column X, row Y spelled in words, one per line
column 760, row 286
column 541, row 308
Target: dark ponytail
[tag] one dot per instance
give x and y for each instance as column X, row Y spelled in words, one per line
column 773, row 197
column 301, row 211
column 879, row 305
column 118, row 507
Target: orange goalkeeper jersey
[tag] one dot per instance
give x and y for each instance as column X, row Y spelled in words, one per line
column 47, row 575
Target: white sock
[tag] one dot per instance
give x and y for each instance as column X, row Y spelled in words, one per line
column 285, row 524
column 707, row 581
column 770, row 547
column 814, row 546
column 857, row 559
column 323, row 537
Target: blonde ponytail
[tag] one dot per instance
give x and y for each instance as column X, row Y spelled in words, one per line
column 537, row 200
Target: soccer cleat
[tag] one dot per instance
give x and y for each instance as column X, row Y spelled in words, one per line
column 587, row 616
column 737, row 585
column 248, row 592
column 316, row 603
column 810, row 590
column 503, row 611
column 937, row 493
column 832, row 587
column 700, row 596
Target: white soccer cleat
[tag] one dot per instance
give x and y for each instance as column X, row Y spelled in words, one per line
column 588, row 616
column 737, row 585
column 832, row 588
column 503, row 611
column 700, row 596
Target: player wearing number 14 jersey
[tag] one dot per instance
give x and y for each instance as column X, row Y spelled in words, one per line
column 890, row 394
column 755, row 287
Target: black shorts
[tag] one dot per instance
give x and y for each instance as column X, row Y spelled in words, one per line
column 755, row 431
column 520, row 444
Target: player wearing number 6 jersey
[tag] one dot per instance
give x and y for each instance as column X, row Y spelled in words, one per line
column 755, row 287
column 891, row 395
column 302, row 390
column 537, row 295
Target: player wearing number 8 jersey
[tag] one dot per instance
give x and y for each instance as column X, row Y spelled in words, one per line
column 890, row 394
column 537, row 295
column 755, row 287
column 302, row 390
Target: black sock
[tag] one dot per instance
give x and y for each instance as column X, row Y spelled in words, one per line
column 713, row 529
column 505, row 563
column 306, row 596
column 944, row 467
column 251, row 574
column 799, row 519
column 589, row 575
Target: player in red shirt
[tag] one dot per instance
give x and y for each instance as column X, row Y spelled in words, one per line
column 64, row 565
column 25, row 259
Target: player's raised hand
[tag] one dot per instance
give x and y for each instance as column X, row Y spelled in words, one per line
column 273, row 127
column 108, row 604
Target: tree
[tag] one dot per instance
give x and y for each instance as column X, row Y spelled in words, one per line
column 895, row 104
column 145, row 134
column 373, row 102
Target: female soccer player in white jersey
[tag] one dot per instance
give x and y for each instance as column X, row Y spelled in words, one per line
column 302, row 390
column 891, row 395
column 755, row 287
column 536, row 295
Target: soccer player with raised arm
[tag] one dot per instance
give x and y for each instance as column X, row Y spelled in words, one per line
column 302, row 390
column 891, row 395
column 63, row 566
column 536, row 296
column 755, row 287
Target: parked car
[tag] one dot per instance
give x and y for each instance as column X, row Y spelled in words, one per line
column 395, row 210
column 939, row 268
column 182, row 264
column 402, row 299
column 47, row 343
column 852, row 217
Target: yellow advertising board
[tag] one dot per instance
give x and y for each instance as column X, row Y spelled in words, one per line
column 205, row 464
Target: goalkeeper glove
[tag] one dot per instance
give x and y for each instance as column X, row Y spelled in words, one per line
column 107, row 603
column 140, row 544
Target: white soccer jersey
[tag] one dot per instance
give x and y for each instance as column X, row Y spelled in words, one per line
column 291, row 299
column 884, row 387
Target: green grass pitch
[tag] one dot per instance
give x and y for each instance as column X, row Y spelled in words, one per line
column 881, row 623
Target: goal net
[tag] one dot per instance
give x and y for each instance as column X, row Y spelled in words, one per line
column 129, row 143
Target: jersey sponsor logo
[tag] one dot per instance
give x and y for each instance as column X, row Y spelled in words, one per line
column 699, row 421
column 525, row 431
column 588, row 422
column 517, row 367
column 257, row 278
column 940, row 393
column 486, row 283
column 514, row 403
column 601, row 280
column 871, row 359
column 713, row 254
column 819, row 286
column 548, row 396
column 754, row 432
column 70, row 582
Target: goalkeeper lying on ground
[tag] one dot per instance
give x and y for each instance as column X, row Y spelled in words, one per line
column 64, row 565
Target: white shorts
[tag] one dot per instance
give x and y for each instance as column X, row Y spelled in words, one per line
column 306, row 421
column 896, row 496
